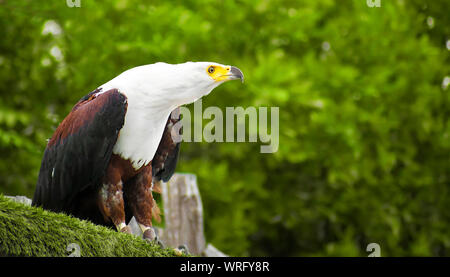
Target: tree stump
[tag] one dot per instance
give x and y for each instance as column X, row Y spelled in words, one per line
column 183, row 214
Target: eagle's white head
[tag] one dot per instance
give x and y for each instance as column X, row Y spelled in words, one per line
column 173, row 84
column 153, row 91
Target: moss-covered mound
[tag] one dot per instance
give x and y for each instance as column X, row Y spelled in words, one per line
column 31, row 231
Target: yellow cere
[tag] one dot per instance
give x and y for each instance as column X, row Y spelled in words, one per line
column 218, row 73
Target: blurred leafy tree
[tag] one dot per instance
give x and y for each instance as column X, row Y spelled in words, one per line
column 364, row 150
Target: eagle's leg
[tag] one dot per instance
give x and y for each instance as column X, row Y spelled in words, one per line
column 111, row 204
column 141, row 202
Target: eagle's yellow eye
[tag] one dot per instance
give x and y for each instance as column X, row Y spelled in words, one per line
column 211, row 69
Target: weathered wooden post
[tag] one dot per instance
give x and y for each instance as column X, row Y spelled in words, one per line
column 183, row 213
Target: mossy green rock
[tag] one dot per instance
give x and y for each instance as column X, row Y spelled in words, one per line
column 30, row 231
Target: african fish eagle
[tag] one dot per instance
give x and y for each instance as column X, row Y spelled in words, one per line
column 108, row 155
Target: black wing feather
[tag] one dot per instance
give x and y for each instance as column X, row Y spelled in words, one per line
column 166, row 157
column 78, row 154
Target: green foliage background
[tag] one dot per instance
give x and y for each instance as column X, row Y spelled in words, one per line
column 364, row 151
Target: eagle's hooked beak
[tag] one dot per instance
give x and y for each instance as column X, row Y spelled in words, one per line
column 236, row 73
column 225, row 73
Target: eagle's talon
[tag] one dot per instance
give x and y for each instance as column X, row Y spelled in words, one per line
column 155, row 240
column 148, row 240
column 183, row 248
column 160, row 242
column 150, row 234
column 151, row 237
column 126, row 230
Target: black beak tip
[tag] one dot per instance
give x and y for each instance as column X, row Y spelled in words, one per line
column 237, row 73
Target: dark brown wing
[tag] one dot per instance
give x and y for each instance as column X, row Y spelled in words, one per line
column 165, row 160
column 78, row 154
